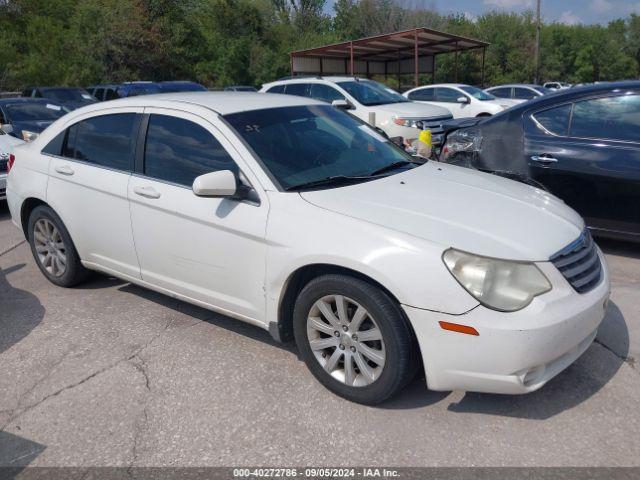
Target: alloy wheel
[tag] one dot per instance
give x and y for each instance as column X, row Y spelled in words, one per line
column 50, row 247
column 346, row 340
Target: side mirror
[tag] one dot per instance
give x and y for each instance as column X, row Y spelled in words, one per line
column 342, row 104
column 6, row 127
column 215, row 184
column 462, row 99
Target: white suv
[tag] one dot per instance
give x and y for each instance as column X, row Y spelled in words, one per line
column 291, row 215
column 370, row 101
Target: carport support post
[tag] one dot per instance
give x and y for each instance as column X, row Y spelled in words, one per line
column 415, row 58
column 484, row 51
column 456, row 67
column 433, row 79
column 351, row 52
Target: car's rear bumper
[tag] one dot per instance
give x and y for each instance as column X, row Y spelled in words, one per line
column 514, row 352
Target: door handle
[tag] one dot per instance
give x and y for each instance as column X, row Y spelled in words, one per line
column 544, row 158
column 148, row 192
column 64, row 169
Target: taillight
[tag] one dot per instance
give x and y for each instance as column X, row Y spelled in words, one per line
column 12, row 159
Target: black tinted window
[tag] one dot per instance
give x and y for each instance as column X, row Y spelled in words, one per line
column 555, row 120
column 98, row 93
column 448, row 95
column 276, row 89
column 501, row 92
column 178, row 151
column 424, row 94
column 522, row 94
column 107, row 140
column 54, row 147
column 300, row 89
column 615, row 118
column 111, row 94
column 325, row 93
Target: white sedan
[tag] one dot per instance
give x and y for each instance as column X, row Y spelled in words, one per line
column 461, row 100
column 294, row 216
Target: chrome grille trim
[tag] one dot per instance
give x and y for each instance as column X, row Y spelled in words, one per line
column 579, row 263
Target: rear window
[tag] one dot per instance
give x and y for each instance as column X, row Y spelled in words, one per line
column 107, row 140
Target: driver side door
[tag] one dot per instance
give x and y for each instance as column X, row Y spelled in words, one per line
column 210, row 250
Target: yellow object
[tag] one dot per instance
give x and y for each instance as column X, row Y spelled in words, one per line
column 425, row 137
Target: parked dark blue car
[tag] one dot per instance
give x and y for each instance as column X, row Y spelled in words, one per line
column 581, row 144
column 112, row 91
column 25, row 115
column 70, row 97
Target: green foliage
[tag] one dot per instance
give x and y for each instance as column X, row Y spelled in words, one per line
column 221, row 42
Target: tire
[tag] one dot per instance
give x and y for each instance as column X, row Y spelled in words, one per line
column 389, row 363
column 49, row 237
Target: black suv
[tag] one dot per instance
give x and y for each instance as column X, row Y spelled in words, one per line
column 582, row 144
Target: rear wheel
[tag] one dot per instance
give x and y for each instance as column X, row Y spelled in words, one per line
column 354, row 338
column 53, row 250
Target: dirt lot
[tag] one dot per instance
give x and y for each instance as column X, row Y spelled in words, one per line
column 112, row 374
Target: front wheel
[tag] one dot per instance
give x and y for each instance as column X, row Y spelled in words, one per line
column 354, row 338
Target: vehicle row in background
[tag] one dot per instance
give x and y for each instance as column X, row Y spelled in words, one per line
column 581, row 144
column 70, row 97
column 26, row 117
column 112, row 91
column 370, row 101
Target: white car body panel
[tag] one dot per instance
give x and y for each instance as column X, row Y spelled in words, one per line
column 238, row 257
column 384, row 114
column 474, row 108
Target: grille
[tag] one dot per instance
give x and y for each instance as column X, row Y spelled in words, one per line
column 579, row 263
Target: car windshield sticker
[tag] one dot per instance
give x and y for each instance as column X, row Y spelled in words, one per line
column 86, row 96
column 53, row 107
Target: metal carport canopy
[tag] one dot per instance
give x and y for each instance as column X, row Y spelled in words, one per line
column 409, row 51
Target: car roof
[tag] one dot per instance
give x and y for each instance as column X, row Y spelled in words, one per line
column 7, row 101
column 306, row 79
column 221, row 102
column 509, row 85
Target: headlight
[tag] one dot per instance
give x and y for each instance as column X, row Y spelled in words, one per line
column 408, row 122
column 28, row 136
column 468, row 141
column 502, row 285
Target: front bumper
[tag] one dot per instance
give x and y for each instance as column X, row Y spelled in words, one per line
column 514, row 352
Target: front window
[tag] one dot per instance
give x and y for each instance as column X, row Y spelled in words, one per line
column 371, row 93
column 477, row 93
column 305, row 144
column 28, row 112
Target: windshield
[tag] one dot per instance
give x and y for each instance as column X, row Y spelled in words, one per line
column 70, row 95
column 477, row 93
column 370, row 93
column 147, row 89
column 27, row 112
column 298, row 145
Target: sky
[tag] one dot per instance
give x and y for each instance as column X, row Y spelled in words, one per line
column 565, row 11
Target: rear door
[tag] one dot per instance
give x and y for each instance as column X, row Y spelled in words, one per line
column 89, row 175
column 588, row 154
column 211, row 250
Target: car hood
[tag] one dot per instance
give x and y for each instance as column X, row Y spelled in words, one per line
column 413, row 110
column 462, row 208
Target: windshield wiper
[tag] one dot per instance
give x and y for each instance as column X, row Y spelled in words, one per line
column 335, row 180
column 391, row 166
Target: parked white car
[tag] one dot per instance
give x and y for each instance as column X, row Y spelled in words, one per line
column 516, row 93
column 370, row 101
column 291, row 215
column 461, row 100
column 557, row 85
column 7, row 142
